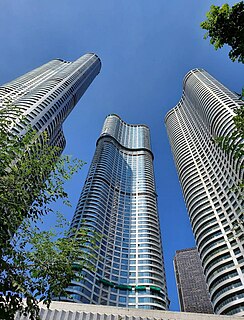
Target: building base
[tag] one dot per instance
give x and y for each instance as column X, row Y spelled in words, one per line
column 77, row 311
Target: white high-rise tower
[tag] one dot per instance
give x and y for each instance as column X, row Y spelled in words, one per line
column 207, row 175
column 46, row 95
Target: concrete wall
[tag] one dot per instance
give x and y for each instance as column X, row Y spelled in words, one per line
column 75, row 311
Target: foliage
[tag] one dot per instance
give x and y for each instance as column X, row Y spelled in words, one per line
column 34, row 264
column 39, row 265
column 225, row 25
column 234, row 143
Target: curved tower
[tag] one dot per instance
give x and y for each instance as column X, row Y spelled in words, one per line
column 119, row 202
column 46, row 95
column 207, row 176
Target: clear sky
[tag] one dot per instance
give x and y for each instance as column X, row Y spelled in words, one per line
column 146, row 48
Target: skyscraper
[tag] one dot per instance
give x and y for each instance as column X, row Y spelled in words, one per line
column 119, row 202
column 46, row 95
column 191, row 284
column 207, row 175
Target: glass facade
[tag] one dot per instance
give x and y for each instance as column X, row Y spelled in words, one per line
column 46, row 95
column 207, row 175
column 119, row 202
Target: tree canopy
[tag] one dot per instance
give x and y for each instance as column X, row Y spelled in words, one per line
column 225, row 25
column 35, row 265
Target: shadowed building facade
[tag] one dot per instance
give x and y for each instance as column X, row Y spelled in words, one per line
column 207, row 175
column 191, row 285
column 46, row 95
column 119, row 202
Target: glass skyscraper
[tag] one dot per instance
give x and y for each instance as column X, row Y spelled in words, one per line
column 207, row 175
column 119, row 202
column 45, row 96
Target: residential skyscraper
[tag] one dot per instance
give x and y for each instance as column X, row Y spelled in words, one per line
column 119, row 202
column 207, row 175
column 191, row 284
column 46, row 95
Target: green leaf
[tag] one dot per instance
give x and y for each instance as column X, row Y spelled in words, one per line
column 34, row 264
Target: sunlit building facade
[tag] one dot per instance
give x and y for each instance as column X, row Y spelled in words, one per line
column 45, row 96
column 119, row 202
column 207, row 175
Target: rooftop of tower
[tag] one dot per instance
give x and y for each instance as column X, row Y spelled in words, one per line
column 66, row 61
column 128, row 124
column 188, row 74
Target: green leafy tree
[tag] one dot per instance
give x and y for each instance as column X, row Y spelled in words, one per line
column 39, row 265
column 234, row 145
column 225, row 25
column 34, row 265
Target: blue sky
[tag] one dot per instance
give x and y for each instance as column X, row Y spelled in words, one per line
column 146, row 48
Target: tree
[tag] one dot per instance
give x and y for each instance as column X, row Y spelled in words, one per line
column 34, row 265
column 225, row 25
column 233, row 144
column 39, row 265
